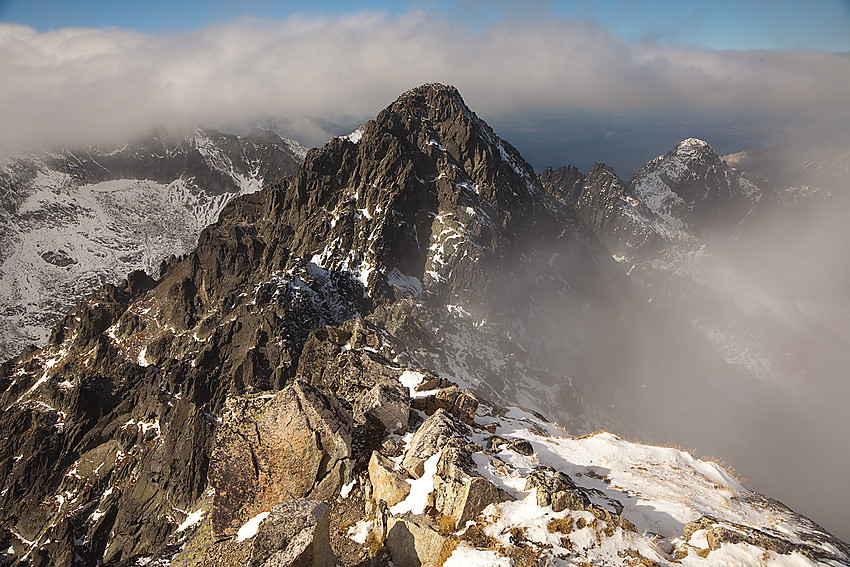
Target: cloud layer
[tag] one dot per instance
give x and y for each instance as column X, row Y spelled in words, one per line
column 85, row 84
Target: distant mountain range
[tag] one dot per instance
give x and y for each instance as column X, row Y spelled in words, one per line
column 73, row 220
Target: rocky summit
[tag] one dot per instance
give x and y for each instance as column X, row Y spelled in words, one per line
column 355, row 366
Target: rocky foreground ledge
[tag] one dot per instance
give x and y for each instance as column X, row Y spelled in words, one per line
column 400, row 467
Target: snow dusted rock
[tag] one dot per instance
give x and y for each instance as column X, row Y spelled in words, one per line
column 294, row 534
column 294, row 444
column 692, row 187
column 388, row 484
column 717, row 532
column 555, row 489
column 460, row 491
column 388, row 403
column 356, row 369
column 460, row 403
column 432, row 436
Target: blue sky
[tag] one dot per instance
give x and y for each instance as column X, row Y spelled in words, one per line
column 719, row 24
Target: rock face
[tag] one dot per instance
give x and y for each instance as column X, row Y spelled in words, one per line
column 296, row 444
column 388, row 484
column 461, row 491
column 387, row 403
column 413, row 543
column 607, row 206
column 437, row 431
column 294, row 534
column 421, row 266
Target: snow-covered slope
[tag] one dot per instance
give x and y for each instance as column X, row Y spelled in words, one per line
column 684, row 510
column 74, row 220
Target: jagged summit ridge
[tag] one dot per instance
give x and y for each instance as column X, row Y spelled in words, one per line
column 424, row 185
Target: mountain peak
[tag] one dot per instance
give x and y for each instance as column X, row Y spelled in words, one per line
column 437, row 103
column 601, row 169
column 694, row 148
column 431, row 89
column 690, row 186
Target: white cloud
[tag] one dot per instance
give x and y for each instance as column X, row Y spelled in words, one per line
column 73, row 84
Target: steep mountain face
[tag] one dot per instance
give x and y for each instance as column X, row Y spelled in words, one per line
column 74, row 220
column 344, row 354
column 607, row 207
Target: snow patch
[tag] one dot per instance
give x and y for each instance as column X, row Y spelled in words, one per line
column 347, row 488
column 464, row 556
column 407, row 284
column 420, row 488
column 355, row 136
column 410, row 380
column 360, row 531
column 143, row 359
column 191, row 520
column 249, row 529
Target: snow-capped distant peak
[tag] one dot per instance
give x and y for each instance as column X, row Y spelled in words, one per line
column 693, row 148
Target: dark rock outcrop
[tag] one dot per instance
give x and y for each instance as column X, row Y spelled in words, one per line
column 718, row 532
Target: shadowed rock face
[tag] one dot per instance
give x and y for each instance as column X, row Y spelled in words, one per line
column 606, row 206
column 266, row 364
column 295, row 534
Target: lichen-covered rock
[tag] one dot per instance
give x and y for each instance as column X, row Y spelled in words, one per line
column 294, row 534
column 294, row 444
column 387, row 403
column 416, row 543
column 388, row 484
